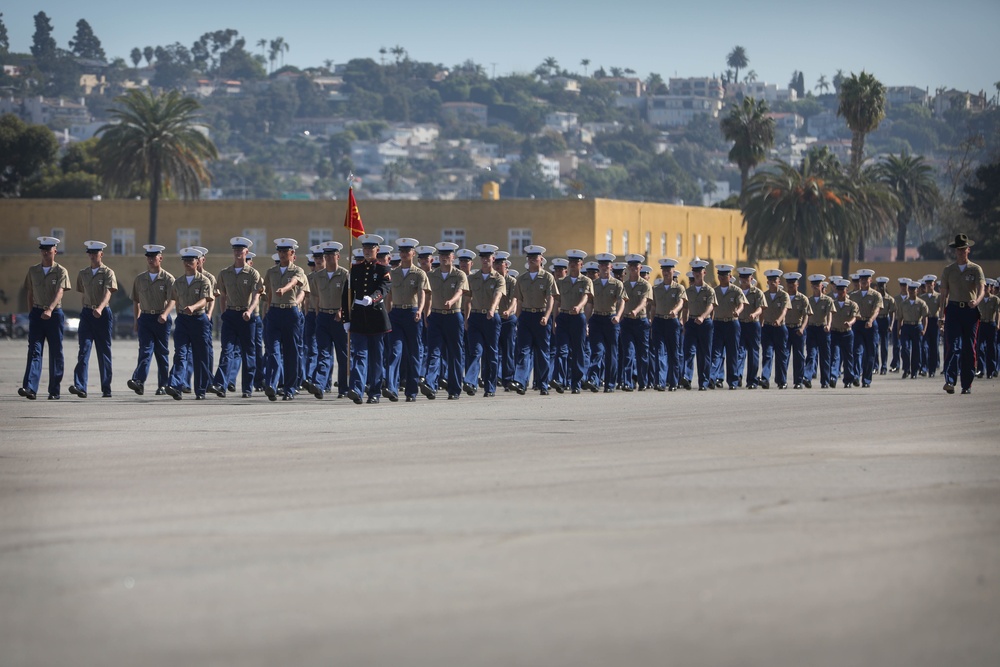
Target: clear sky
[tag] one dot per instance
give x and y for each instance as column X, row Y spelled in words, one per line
column 926, row 43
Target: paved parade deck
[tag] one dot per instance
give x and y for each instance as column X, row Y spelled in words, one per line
column 773, row 528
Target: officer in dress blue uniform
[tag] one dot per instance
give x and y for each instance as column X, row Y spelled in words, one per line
column 97, row 283
column 369, row 321
column 45, row 284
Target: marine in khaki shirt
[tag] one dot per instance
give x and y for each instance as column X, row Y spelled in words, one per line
column 236, row 289
column 97, row 285
column 330, row 290
column 776, row 305
column 913, row 311
column 407, row 287
column 821, row 308
column 152, row 295
column 448, row 290
column 729, row 300
column 609, row 297
column 45, row 288
column 844, row 313
column 798, row 312
column 638, row 294
column 755, row 301
column 536, row 294
column 193, row 298
column 668, row 300
column 575, row 294
column 485, row 292
column 285, row 287
column 962, row 285
column 932, row 299
column 700, row 301
column 869, row 303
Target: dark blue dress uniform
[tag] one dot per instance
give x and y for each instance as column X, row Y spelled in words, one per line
column 635, row 330
column 571, row 329
column 818, row 335
column 45, row 289
column 508, row 331
column 241, row 287
column 96, row 285
column 369, row 325
column 930, row 357
column 795, row 321
column 609, row 295
column 749, row 352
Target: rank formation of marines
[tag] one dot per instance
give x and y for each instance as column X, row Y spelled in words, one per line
column 415, row 321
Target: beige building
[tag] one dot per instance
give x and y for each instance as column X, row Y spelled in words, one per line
column 601, row 225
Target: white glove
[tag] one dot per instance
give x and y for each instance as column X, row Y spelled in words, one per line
column 364, row 301
column 347, row 326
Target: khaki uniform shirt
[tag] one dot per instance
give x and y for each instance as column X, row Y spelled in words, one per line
column 821, row 306
column 153, row 295
column 508, row 297
column 698, row 301
column 44, row 286
column 775, row 306
column 606, row 297
column 211, row 279
column 443, row 289
column 238, row 288
column 533, row 294
column 988, row 308
column 186, row 294
column 570, row 293
column 912, row 312
column 95, row 285
column 329, row 289
column 963, row 285
column 800, row 311
column 843, row 314
column 666, row 296
column 406, row 289
column 725, row 311
column 636, row 296
column 933, row 301
column 888, row 305
column 755, row 299
column 483, row 288
column 274, row 280
column 868, row 304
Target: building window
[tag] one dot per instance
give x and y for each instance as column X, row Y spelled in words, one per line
column 649, row 243
column 123, row 241
column 187, row 238
column 663, row 244
column 320, row 235
column 609, row 240
column 60, row 233
column 680, row 245
column 456, row 236
column 517, row 240
column 625, row 242
column 390, row 235
column 259, row 237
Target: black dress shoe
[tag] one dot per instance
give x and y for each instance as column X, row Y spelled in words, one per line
column 765, row 384
column 271, row 394
column 288, row 395
column 557, row 386
column 442, row 383
column 77, row 392
column 468, row 389
column 807, row 384
column 587, row 384
column 660, row 387
column 309, row 386
column 824, row 386
column 160, row 391
column 427, row 390
column 135, row 386
column 491, row 394
column 390, row 394
column 354, row 396
column 53, row 397
column 702, row 388
column 782, row 386
column 949, row 387
column 626, row 387
column 247, row 394
column 454, row 397
column 231, row 387
column 857, row 383
column 609, row 390
column 218, row 390
column 318, row 394
column 574, row 391
column 797, row 385
column 411, row 399
column 186, row 390
column 544, row 392
column 173, row 393
column 199, row 397
column 372, row 399
column 967, row 390
column 685, row 383
column 519, row 388
column 106, row 394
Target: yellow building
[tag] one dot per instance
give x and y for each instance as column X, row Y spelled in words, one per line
column 601, row 225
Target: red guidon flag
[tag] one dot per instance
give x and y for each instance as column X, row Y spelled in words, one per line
column 352, row 220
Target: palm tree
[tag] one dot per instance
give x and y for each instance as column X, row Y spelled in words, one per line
column 862, row 104
column 155, row 143
column 381, row 52
column 737, row 59
column 821, row 83
column 751, row 76
column 752, row 132
column 616, row 72
column 397, row 52
column 551, row 64
column 586, row 63
column 912, row 181
column 838, row 79
column 798, row 210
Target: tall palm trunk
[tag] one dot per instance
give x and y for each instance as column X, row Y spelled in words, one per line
column 751, row 249
column 857, row 150
column 902, row 220
column 154, row 201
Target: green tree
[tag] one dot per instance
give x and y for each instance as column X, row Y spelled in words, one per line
column 655, row 85
column 4, row 39
column 43, row 46
column 174, row 65
column 982, row 206
column 821, row 84
column 24, row 151
column 912, row 181
column 135, row 56
column 85, row 43
column 586, row 63
column 737, row 59
column 751, row 130
column 838, row 79
column 148, row 53
column 73, row 177
column 155, row 142
column 862, row 105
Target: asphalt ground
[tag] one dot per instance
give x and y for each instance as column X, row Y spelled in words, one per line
column 815, row 527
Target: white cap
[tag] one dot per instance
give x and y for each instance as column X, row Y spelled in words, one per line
column 619, row 266
column 435, row 260
column 407, row 242
column 153, row 249
column 371, row 239
column 513, row 273
column 384, row 250
column 559, row 262
column 590, row 266
column 905, row 281
column 606, row 257
column 929, row 278
column 668, row 263
column 576, row 254
column 331, row 246
column 534, row 250
column 237, row 241
column 276, row 257
column 657, row 282
column 202, row 249
column 95, row 245
column 793, row 275
column 855, row 276
column 446, row 246
column 47, row 241
column 487, row 249
column 501, row 254
column 426, row 250
column 358, row 253
column 465, row 253
column 882, row 280
column 645, row 268
column 834, row 279
column 251, row 255
column 991, row 282
column 816, row 277
column 746, row 270
column 286, row 243
column 843, row 282
column 772, row 273
column 634, row 258
column 316, row 249
column 698, row 264
column 913, row 283
column 189, row 252
column 866, row 273
column 394, row 257
column 690, row 275
column 724, row 268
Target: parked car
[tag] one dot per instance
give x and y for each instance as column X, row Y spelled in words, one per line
column 19, row 325
column 72, row 326
column 124, row 324
column 6, row 325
